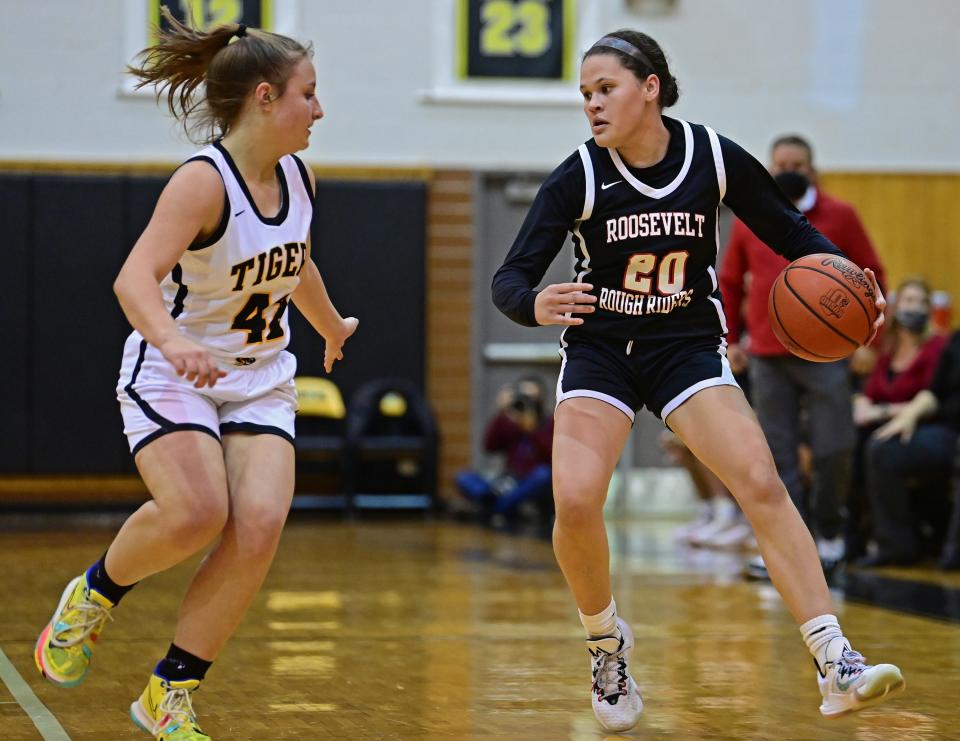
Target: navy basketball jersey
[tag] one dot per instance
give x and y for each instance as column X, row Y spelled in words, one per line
column 650, row 252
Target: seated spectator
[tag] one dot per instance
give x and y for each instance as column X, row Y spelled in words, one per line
column 904, row 367
column 909, row 459
column 523, row 434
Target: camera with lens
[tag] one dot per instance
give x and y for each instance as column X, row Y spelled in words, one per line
column 522, row 402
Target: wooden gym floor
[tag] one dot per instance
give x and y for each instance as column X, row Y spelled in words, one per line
column 406, row 629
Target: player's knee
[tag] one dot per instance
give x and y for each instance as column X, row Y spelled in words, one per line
column 576, row 506
column 761, row 485
column 199, row 518
column 259, row 528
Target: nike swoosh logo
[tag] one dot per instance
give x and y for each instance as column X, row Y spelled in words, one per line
column 604, row 186
column 240, row 212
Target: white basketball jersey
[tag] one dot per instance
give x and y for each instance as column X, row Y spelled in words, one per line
column 230, row 292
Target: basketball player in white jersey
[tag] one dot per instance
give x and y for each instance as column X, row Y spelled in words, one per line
column 206, row 387
column 645, row 327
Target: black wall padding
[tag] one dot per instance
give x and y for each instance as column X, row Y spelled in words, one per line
column 79, row 243
column 64, row 240
column 15, row 420
column 369, row 243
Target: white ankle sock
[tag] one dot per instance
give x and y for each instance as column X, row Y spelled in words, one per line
column 601, row 624
column 824, row 639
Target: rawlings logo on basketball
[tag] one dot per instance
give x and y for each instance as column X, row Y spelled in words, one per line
column 849, row 273
column 835, row 302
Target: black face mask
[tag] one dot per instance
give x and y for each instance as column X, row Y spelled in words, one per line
column 915, row 321
column 793, row 184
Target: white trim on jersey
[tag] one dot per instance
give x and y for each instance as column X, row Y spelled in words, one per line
column 718, row 161
column 668, row 189
column 611, row 400
column 588, row 196
column 588, row 199
column 724, row 379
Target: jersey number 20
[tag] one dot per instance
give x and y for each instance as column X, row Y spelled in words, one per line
column 251, row 318
column 671, row 273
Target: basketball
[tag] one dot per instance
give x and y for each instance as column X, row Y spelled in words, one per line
column 822, row 308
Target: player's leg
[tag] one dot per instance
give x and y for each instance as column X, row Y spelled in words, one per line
column 260, row 473
column 185, row 475
column 588, row 437
column 720, row 428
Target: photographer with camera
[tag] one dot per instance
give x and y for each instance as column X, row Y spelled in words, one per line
column 523, row 434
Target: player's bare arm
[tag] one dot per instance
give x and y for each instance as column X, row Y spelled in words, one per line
column 189, row 208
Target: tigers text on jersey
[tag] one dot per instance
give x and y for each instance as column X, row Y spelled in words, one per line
column 647, row 240
column 230, row 292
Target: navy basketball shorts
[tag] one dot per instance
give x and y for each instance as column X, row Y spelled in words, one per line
column 155, row 401
column 655, row 373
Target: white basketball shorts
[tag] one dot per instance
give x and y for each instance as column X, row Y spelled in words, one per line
column 155, row 401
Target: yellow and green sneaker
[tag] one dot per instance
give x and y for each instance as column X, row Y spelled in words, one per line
column 165, row 711
column 65, row 646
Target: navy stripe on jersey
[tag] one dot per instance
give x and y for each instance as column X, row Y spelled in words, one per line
column 224, row 217
column 306, row 178
column 227, row 427
column 177, row 276
column 186, row 426
column 281, row 178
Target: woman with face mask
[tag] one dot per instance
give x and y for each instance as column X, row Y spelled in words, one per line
column 908, row 360
column 904, row 369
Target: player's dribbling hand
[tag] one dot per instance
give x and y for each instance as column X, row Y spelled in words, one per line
column 190, row 360
column 556, row 301
column 334, row 349
column 879, row 301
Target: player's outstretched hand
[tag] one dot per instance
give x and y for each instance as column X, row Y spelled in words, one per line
column 555, row 302
column 334, row 350
column 879, row 300
column 191, row 360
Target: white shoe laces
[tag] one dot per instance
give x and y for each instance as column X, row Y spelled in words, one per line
column 610, row 670
column 850, row 662
column 177, row 703
column 93, row 617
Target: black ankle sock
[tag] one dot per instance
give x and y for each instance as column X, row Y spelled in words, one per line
column 98, row 579
column 179, row 665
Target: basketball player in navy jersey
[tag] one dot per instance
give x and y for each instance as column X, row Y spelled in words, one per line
column 645, row 327
column 206, row 387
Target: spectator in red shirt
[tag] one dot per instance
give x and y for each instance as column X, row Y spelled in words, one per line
column 905, row 368
column 783, row 384
column 523, row 434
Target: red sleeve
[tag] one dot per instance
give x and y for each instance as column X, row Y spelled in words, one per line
column 931, row 352
column 544, row 438
column 732, row 270
column 502, row 432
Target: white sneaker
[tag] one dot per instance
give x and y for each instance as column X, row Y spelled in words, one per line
column 704, row 516
column 615, row 696
column 756, row 569
column 734, row 538
column 850, row 684
column 725, row 515
column 831, row 552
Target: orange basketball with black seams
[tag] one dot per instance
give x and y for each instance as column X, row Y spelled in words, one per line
column 822, row 308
